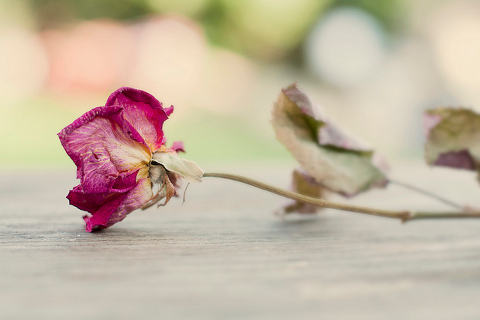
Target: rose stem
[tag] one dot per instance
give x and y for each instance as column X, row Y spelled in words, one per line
column 403, row 215
column 428, row 194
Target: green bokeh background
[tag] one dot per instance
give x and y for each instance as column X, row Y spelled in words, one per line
column 269, row 33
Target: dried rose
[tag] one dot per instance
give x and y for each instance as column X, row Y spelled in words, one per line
column 333, row 159
column 122, row 161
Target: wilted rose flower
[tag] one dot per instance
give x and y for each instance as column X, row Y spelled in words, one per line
column 122, row 159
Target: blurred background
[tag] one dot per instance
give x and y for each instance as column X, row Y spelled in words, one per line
column 373, row 66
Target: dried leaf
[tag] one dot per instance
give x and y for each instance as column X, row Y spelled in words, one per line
column 306, row 185
column 338, row 162
column 453, row 138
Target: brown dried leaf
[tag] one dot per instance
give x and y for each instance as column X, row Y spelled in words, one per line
column 335, row 160
column 453, row 138
column 306, row 185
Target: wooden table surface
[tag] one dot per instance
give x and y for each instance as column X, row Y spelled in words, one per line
column 224, row 255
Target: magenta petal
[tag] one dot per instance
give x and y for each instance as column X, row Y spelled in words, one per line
column 143, row 113
column 75, row 147
column 168, row 110
column 178, row 146
column 125, row 181
column 117, row 209
column 101, row 149
column 99, row 220
column 86, row 200
column 126, row 96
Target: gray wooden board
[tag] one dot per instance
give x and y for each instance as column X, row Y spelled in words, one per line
column 224, row 255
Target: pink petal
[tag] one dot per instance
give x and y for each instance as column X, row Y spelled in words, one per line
column 118, row 208
column 99, row 220
column 87, row 200
column 178, row 146
column 101, row 149
column 143, row 113
column 168, row 110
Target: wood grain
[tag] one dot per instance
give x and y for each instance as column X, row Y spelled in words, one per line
column 224, row 255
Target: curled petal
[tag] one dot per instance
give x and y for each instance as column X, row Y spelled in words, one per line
column 101, row 149
column 118, row 208
column 168, row 110
column 144, row 113
column 91, row 201
column 178, row 146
